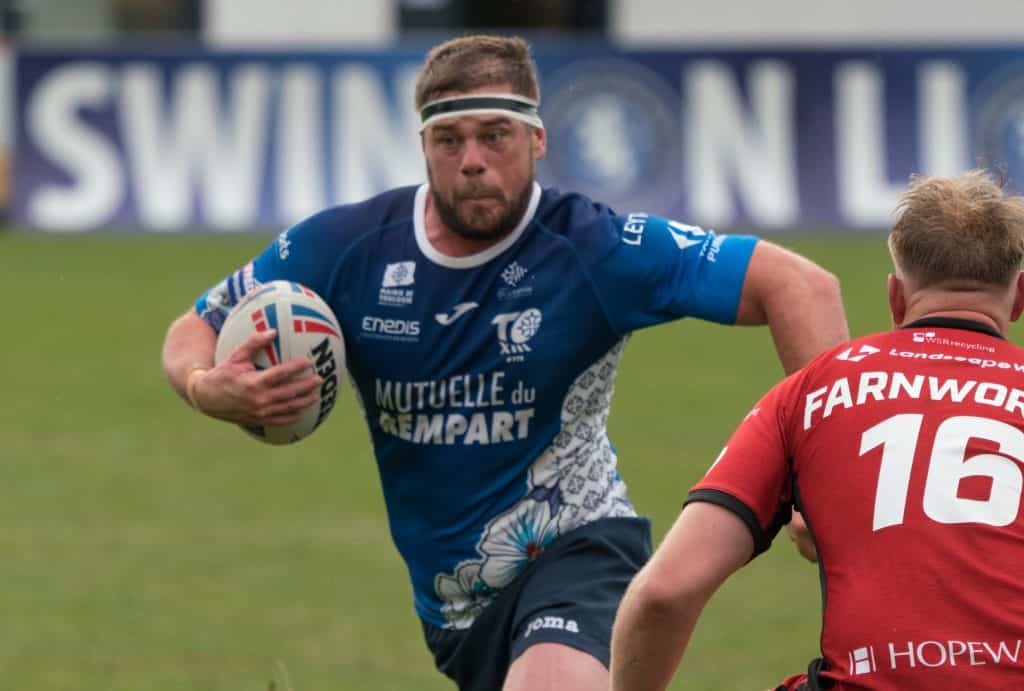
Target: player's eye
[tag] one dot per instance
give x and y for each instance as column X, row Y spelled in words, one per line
column 446, row 141
column 495, row 136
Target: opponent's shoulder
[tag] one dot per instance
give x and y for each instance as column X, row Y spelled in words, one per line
column 339, row 227
column 864, row 353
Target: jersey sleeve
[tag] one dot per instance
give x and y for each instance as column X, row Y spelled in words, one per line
column 657, row 270
column 305, row 253
column 752, row 475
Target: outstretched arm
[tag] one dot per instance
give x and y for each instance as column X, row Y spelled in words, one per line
column 661, row 606
column 799, row 300
column 234, row 390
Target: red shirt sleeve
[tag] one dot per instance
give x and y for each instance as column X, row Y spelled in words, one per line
column 752, row 475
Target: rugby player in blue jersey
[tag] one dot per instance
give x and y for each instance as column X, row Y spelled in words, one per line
column 484, row 320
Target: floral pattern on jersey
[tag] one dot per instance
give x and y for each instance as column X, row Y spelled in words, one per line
column 573, row 482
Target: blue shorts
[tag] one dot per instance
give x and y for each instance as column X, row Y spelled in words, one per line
column 568, row 595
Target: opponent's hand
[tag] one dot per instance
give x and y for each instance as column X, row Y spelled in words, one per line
column 801, row 535
column 235, row 391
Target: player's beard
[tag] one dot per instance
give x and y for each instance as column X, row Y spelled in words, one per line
column 481, row 222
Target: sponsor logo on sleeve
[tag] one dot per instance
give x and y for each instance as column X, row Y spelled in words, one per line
column 686, row 236
column 283, row 245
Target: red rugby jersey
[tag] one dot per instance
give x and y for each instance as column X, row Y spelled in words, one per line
column 905, row 452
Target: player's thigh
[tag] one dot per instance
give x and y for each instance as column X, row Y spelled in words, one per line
column 555, row 667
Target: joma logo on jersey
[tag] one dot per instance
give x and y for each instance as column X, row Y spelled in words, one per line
column 559, row 623
column 514, row 330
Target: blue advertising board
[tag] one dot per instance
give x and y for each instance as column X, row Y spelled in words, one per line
column 771, row 139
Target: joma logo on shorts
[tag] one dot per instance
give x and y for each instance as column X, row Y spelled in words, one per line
column 552, row 623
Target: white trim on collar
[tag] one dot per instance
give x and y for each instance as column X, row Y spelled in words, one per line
column 472, row 260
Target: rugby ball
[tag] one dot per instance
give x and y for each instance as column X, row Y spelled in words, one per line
column 305, row 326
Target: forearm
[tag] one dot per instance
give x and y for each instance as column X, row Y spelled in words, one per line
column 648, row 641
column 189, row 344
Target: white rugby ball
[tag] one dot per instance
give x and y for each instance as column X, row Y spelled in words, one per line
column 305, row 326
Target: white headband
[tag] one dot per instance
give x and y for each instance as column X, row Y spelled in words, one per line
column 518, row 107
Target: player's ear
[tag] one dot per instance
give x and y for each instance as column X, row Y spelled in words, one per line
column 1018, row 298
column 897, row 300
column 540, row 142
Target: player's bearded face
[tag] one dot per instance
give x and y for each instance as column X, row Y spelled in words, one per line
column 478, row 211
column 485, row 198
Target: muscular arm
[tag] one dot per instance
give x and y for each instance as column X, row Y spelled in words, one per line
column 799, row 301
column 660, row 609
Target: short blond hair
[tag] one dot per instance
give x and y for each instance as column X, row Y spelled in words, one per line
column 472, row 62
column 958, row 233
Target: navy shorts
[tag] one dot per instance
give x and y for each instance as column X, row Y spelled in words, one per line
column 568, row 595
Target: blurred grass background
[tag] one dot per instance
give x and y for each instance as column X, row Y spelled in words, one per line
column 146, row 548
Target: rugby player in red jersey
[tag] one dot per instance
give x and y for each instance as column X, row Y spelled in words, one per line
column 904, row 451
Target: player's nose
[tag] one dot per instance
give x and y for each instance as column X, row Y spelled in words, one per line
column 472, row 159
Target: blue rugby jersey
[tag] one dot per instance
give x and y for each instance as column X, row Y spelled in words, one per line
column 486, row 380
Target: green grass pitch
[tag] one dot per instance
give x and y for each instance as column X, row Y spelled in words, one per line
column 147, row 549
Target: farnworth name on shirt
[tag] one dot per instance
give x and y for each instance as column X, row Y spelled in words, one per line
column 871, row 387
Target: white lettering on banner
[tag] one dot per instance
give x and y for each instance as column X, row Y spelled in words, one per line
column 86, row 156
column 754, row 149
column 942, row 117
column 374, row 149
column 198, row 156
column 301, row 188
column 199, row 136
column 866, row 195
column 205, row 148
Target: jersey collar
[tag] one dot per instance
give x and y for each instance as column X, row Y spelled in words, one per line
column 954, row 323
column 473, row 260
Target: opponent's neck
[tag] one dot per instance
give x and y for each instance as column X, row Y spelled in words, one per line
column 977, row 307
